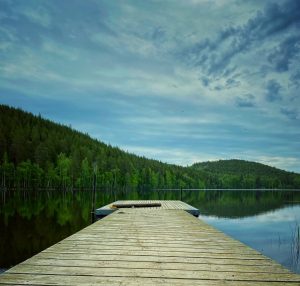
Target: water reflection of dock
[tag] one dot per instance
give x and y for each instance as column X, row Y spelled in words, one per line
column 157, row 245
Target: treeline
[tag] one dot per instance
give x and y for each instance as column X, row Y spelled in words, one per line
column 37, row 153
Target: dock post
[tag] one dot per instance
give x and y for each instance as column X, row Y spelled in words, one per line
column 181, row 193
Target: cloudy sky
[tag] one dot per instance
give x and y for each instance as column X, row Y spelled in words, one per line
column 179, row 81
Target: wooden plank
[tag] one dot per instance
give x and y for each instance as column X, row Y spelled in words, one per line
column 158, row 243
column 142, row 249
column 158, row 259
column 154, row 273
column 159, row 253
column 119, row 263
column 45, row 279
column 149, row 247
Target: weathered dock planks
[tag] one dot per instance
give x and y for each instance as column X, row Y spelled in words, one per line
column 149, row 247
column 150, row 204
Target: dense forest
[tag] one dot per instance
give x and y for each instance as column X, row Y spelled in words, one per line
column 243, row 174
column 38, row 153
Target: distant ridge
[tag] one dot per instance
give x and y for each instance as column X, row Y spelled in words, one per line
column 247, row 169
column 237, row 166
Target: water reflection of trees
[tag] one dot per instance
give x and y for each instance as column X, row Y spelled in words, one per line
column 239, row 203
column 32, row 221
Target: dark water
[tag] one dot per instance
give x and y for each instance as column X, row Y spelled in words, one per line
column 268, row 221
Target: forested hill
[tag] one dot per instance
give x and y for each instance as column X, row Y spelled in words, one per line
column 239, row 167
column 251, row 173
column 38, row 153
column 35, row 152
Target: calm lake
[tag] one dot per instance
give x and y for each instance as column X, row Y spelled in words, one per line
column 268, row 221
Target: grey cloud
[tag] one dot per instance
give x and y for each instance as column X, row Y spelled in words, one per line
column 70, row 24
column 205, row 81
column 158, row 34
column 283, row 55
column 231, row 82
column 290, row 113
column 229, row 71
column 214, row 55
column 246, row 101
column 295, row 78
column 218, row 87
column 273, row 91
column 274, row 19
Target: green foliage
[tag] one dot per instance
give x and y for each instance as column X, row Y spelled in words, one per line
column 248, row 175
column 37, row 153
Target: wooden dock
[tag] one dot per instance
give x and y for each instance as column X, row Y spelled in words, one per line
column 148, row 246
column 152, row 204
